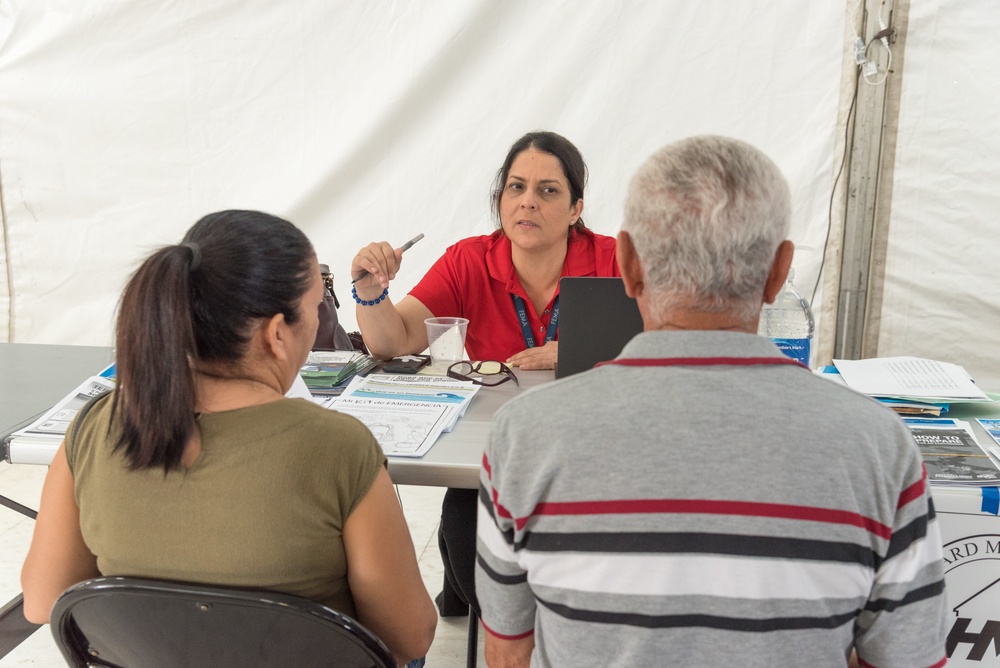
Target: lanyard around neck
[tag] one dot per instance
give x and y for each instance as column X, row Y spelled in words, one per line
column 522, row 317
column 701, row 361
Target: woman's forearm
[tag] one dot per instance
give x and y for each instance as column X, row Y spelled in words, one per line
column 391, row 330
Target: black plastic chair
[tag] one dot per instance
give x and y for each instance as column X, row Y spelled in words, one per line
column 123, row 622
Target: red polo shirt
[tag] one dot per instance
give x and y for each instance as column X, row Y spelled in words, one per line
column 475, row 279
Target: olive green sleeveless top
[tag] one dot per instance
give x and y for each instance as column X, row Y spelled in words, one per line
column 262, row 507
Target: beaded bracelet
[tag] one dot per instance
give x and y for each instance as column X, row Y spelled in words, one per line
column 367, row 302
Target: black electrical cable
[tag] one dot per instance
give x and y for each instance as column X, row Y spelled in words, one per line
column 848, row 127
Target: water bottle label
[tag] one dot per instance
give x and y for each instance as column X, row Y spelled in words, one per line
column 797, row 349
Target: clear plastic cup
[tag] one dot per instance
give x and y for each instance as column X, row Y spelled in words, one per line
column 446, row 340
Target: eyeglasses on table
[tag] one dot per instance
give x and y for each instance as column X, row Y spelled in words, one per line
column 488, row 373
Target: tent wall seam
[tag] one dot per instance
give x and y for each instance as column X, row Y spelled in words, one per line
column 8, row 266
column 868, row 188
column 900, row 16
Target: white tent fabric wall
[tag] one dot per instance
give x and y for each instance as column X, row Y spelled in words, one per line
column 941, row 294
column 122, row 123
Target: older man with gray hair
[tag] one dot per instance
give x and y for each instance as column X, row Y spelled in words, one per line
column 703, row 500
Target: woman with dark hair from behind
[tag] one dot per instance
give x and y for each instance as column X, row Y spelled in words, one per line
column 197, row 468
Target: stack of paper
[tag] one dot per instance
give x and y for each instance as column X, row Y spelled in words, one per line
column 326, row 372
column 951, row 452
column 37, row 443
column 406, row 412
column 913, row 407
column 911, row 385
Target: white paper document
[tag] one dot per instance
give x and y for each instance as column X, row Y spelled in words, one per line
column 402, row 428
column 52, row 425
column 333, row 356
column 911, row 377
column 37, row 443
column 454, row 394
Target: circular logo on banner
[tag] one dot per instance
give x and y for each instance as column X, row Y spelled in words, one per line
column 973, row 586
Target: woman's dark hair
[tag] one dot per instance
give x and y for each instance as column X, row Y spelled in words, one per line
column 573, row 166
column 196, row 304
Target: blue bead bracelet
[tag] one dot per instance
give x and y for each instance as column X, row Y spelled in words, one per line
column 366, row 302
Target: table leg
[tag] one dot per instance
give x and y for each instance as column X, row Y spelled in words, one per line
column 14, row 628
column 472, row 653
column 15, row 506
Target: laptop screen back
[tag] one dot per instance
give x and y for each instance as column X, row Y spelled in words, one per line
column 596, row 320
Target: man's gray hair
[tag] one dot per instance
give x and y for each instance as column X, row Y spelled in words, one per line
column 706, row 215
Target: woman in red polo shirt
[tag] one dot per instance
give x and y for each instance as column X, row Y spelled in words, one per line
column 497, row 280
column 507, row 285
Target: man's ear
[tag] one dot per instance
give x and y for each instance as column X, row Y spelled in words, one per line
column 628, row 265
column 779, row 270
column 275, row 333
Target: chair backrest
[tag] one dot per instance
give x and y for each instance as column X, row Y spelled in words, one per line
column 125, row 622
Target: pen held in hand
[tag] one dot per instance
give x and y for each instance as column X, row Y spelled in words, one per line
column 402, row 249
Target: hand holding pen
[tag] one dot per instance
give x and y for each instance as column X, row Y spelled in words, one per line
column 379, row 262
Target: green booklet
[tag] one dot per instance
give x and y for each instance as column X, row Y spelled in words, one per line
column 326, row 372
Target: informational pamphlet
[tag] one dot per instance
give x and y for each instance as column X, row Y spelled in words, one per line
column 405, row 412
column 403, row 428
column 992, row 428
column 951, row 453
column 452, row 393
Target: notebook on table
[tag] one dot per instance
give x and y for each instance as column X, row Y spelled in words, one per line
column 596, row 320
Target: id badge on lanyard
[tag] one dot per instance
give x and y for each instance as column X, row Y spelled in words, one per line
column 522, row 317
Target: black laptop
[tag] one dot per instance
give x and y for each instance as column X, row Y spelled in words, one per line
column 596, row 320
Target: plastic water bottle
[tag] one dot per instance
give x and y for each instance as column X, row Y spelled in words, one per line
column 788, row 321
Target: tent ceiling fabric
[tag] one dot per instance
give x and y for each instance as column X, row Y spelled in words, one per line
column 122, row 123
column 941, row 294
